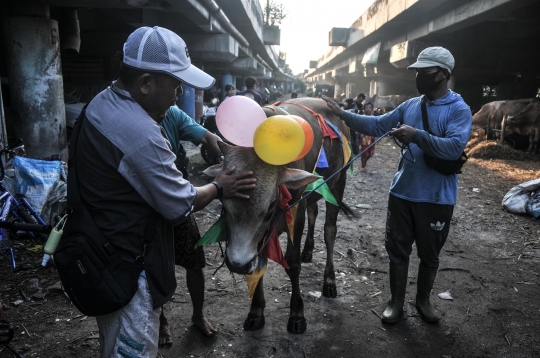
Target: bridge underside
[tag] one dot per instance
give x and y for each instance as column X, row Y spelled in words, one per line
column 495, row 47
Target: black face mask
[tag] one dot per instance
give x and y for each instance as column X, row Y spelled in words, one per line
column 425, row 82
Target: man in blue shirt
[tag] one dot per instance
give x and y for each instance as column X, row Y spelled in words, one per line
column 251, row 84
column 180, row 127
column 421, row 200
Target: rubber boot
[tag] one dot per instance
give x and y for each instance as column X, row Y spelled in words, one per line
column 398, row 285
column 426, row 278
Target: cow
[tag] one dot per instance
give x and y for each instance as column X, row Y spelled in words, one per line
column 492, row 114
column 526, row 122
column 248, row 221
column 388, row 102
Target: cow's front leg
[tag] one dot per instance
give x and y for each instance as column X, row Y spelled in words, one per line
column 330, row 230
column 255, row 318
column 531, row 143
column 297, row 322
column 312, row 210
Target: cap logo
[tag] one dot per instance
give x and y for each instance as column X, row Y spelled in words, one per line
column 187, row 52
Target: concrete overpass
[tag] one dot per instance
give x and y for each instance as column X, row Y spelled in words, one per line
column 51, row 45
column 494, row 42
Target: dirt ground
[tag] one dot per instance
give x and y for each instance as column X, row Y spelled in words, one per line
column 489, row 266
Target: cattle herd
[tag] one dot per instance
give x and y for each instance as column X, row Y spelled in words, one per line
column 517, row 121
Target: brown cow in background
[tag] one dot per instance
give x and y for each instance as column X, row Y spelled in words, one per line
column 492, row 113
column 526, row 122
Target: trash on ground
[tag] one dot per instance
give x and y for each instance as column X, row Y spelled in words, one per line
column 445, row 295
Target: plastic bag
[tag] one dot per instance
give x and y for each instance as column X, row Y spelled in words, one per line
column 533, row 205
column 515, row 201
column 34, row 179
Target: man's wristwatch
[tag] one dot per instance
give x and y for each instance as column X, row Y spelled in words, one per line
column 219, row 189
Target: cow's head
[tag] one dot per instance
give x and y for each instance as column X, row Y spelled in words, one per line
column 509, row 124
column 249, row 219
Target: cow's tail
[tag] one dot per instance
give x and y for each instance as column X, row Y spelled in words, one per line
column 349, row 213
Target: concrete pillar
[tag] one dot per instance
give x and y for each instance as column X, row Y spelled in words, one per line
column 226, row 79
column 186, row 102
column 373, row 90
column 36, row 85
column 199, row 103
column 338, row 90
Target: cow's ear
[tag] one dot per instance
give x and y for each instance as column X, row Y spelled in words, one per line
column 296, row 178
column 214, row 170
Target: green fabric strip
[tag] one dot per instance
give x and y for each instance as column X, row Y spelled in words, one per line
column 324, row 190
column 216, row 233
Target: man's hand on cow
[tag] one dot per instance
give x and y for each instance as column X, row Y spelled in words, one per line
column 234, row 184
column 210, row 141
column 333, row 106
column 404, row 134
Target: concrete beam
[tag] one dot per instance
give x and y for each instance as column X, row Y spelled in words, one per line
column 405, row 53
column 212, row 47
column 248, row 64
column 465, row 15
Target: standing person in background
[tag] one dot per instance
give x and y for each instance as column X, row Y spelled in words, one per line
column 251, row 85
column 421, row 200
column 366, row 140
column 180, row 127
column 360, row 103
column 229, row 91
column 349, row 105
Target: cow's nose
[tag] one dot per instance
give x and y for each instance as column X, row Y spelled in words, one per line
column 243, row 269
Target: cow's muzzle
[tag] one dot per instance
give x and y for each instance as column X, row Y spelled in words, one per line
column 244, row 269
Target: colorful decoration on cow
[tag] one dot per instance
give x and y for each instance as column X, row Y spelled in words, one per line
column 308, row 134
column 237, row 118
column 279, row 140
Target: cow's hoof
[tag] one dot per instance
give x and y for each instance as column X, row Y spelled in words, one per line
column 253, row 323
column 296, row 325
column 329, row 291
column 306, row 257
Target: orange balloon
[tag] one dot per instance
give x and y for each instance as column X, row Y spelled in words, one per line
column 308, row 132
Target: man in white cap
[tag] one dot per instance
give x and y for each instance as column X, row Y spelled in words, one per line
column 129, row 183
column 422, row 199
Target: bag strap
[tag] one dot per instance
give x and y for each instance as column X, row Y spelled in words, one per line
column 74, row 200
column 425, row 116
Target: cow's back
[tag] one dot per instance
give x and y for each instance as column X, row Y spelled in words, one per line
column 334, row 152
column 332, row 147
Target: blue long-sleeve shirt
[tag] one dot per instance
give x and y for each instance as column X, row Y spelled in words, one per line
column 179, row 126
column 449, row 120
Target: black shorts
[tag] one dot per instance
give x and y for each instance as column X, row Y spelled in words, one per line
column 186, row 236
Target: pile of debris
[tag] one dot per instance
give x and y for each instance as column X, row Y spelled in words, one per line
column 492, row 149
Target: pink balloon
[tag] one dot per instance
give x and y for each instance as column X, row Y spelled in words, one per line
column 237, row 118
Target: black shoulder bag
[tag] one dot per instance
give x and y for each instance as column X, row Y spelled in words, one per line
column 445, row 167
column 97, row 280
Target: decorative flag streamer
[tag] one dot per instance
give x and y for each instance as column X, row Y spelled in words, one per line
column 324, row 190
column 253, row 279
column 272, row 250
column 216, row 233
column 347, row 152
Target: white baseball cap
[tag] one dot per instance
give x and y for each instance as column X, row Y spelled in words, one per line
column 434, row 56
column 158, row 49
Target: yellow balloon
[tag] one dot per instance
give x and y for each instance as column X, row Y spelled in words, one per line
column 278, row 140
